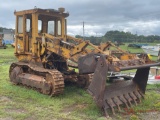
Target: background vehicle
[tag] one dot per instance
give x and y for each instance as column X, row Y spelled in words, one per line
column 2, row 45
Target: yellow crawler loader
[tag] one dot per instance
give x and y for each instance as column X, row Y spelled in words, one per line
column 43, row 48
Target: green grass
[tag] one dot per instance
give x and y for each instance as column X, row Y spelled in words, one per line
column 15, row 99
column 21, row 103
column 131, row 49
column 18, row 102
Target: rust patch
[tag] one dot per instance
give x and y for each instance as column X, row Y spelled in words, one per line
column 46, row 81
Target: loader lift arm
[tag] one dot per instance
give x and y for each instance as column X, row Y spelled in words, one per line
column 100, row 64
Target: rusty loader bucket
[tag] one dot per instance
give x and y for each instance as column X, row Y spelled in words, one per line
column 119, row 93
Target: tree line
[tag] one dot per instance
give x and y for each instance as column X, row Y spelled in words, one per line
column 116, row 36
column 122, row 37
column 3, row 28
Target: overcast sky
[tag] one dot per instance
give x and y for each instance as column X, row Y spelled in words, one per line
column 99, row 16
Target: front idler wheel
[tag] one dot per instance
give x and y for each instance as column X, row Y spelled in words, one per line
column 14, row 73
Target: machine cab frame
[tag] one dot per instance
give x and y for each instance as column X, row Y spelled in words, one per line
column 31, row 24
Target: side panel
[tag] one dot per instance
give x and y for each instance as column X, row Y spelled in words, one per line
column 34, row 34
column 19, row 35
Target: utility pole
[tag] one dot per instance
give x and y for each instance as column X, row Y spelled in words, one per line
column 83, row 30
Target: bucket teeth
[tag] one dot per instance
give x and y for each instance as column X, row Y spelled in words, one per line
column 141, row 94
column 133, row 97
column 105, row 109
column 124, row 101
column 117, row 102
column 128, row 98
column 124, row 93
column 111, row 105
column 137, row 95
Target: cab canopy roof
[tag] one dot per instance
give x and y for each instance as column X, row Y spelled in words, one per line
column 51, row 12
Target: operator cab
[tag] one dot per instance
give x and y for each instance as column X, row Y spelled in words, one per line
column 30, row 24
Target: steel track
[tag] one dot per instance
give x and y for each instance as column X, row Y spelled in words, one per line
column 55, row 77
